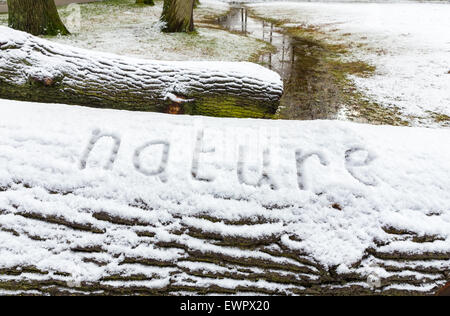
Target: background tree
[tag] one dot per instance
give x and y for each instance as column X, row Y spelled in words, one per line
column 38, row 17
column 178, row 15
column 150, row 2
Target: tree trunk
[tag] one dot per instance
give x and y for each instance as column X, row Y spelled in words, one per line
column 33, row 69
column 37, row 17
column 149, row 2
column 178, row 16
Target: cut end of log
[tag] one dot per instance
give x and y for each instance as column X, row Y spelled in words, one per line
column 445, row 291
column 175, row 108
column 46, row 82
column 176, row 104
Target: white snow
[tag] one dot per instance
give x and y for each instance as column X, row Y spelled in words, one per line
column 405, row 184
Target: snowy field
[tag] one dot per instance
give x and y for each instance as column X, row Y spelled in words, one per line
column 327, row 188
column 405, row 41
column 409, row 44
column 138, row 29
column 92, row 195
column 126, row 29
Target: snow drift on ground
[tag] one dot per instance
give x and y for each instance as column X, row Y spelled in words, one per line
column 326, row 188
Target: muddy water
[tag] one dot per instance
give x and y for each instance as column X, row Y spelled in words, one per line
column 309, row 91
column 280, row 61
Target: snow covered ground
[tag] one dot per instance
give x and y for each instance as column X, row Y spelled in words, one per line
column 327, row 188
column 126, row 29
column 409, row 44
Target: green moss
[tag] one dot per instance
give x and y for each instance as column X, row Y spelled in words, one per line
column 231, row 106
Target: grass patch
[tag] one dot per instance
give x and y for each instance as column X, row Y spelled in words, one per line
column 325, row 85
column 440, row 118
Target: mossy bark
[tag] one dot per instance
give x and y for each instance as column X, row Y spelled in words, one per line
column 178, row 16
column 37, row 17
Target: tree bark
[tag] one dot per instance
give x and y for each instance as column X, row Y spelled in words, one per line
column 178, row 16
column 149, row 2
column 177, row 264
column 37, row 17
column 33, row 69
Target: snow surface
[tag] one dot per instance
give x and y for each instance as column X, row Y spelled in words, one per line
column 409, row 43
column 138, row 31
column 380, row 176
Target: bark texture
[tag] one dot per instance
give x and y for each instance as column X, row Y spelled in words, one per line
column 38, row 17
column 178, row 15
column 33, row 69
column 178, row 264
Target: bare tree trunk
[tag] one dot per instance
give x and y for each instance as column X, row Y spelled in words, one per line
column 33, row 69
column 178, row 15
column 38, row 17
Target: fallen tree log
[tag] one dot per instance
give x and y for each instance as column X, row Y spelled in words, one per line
column 112, row 202
column 34, row 69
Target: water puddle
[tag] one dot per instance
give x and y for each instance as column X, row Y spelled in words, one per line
column 308, row 92
column 280, row 61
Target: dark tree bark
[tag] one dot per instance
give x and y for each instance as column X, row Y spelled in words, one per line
column 149, row 2
column 178, row 15
column 38, row 17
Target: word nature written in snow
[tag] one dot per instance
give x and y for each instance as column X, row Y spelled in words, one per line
column 354, row 158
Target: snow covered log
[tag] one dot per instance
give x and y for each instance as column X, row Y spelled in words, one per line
column 34, row 69
column 96, row 201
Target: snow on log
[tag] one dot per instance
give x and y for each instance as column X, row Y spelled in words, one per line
column 34, row 69
column 96, row 201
